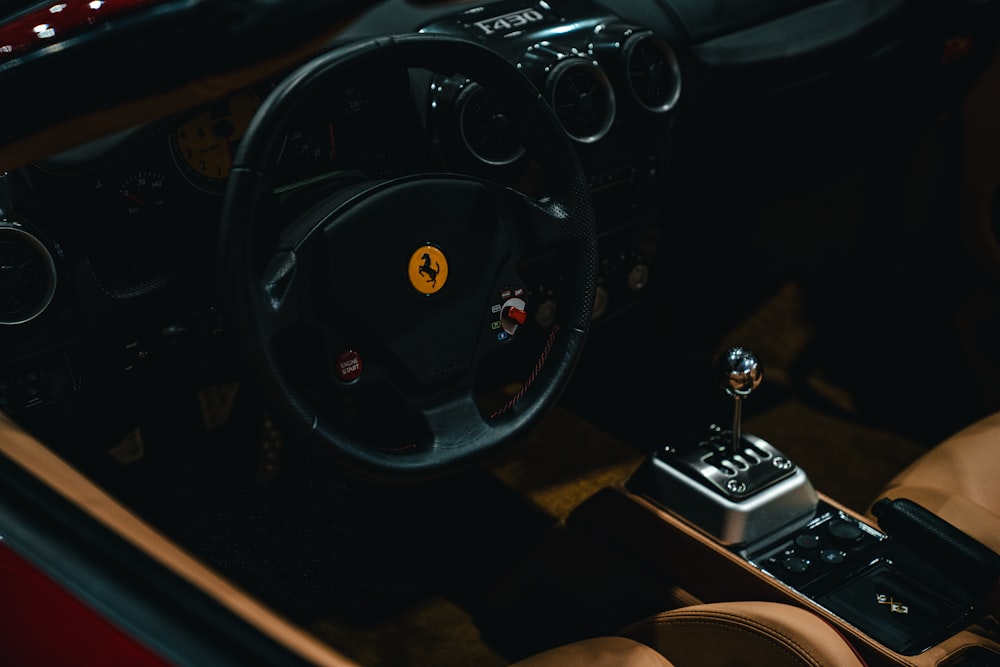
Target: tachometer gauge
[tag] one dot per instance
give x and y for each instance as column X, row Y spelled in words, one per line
column 204, row 146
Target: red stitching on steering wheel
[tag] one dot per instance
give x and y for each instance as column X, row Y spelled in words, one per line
column 534, row 373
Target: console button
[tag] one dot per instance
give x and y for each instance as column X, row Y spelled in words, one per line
column 832, row 556
column 807, row 541
column 795, row 564
column 845, row 531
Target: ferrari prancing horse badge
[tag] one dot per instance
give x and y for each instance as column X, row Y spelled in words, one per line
column 428, row 269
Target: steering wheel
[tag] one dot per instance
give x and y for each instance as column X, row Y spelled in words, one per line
column 398, row 280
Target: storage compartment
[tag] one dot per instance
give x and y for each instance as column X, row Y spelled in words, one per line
column 896, row 609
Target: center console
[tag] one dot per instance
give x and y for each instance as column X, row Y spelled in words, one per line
column 868, row 579
column 732, row 517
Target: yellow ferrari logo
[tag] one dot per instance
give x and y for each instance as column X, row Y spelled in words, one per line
column 428, row 269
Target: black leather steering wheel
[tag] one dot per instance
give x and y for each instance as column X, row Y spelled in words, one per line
column 402, row 277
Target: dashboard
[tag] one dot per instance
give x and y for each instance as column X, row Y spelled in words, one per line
column 111, row 253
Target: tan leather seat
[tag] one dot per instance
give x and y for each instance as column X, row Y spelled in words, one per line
column 959, row 480
column 724, row 633
column 599, row 652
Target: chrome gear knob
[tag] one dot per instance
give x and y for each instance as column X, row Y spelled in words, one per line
column 740, row 372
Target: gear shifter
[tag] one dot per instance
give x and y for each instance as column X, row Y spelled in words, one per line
column 736, row 486
column 740, row 374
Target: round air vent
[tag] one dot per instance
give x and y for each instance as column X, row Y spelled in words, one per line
column 582, row 97
column 652, row 71
column 485, row 126
column 577, row 88
column 472, row 125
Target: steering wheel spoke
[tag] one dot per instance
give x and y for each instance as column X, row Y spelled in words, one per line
column 454, row 422
column 281, row 307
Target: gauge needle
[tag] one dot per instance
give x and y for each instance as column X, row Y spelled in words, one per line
column 138, row 201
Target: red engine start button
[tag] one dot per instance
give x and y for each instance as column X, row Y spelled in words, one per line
column 349, row 366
